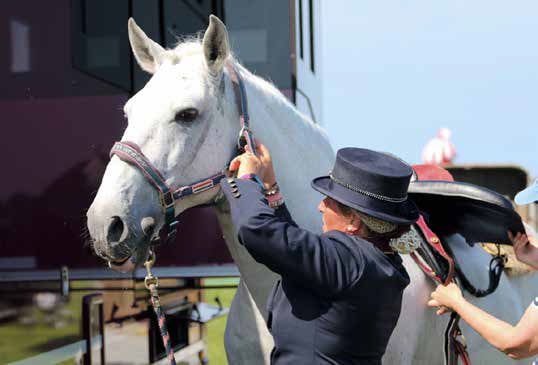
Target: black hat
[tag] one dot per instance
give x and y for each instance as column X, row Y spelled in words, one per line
column 371, row 182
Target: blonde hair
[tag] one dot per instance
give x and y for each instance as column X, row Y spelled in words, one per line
column 374, row 229
column 377, row 225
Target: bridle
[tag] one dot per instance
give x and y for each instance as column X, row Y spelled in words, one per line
column 131, row 153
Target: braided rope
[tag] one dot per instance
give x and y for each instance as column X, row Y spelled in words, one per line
column 162, row 323
column 151, row 282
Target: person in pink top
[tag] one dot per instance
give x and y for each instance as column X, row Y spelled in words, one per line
column 519, row 341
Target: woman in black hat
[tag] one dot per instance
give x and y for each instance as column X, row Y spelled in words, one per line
column 340, row 294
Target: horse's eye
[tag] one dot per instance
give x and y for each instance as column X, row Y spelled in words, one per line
column 186, row 115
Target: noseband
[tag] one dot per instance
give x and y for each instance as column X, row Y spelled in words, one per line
column 131, row 153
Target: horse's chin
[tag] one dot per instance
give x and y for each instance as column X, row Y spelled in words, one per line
column 137, row 257
column 125, row 266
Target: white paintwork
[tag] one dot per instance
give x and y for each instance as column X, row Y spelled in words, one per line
column 184, row 77
column 309, row 83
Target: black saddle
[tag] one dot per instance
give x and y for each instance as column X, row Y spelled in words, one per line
column 476, row 213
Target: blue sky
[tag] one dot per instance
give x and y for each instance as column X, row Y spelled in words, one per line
column 394, row 72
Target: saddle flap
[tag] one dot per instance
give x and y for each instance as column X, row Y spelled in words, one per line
column 477, row 213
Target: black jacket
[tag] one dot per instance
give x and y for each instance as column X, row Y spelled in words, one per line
column 339, row 298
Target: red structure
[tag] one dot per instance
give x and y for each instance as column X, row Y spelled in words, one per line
column 66, row 71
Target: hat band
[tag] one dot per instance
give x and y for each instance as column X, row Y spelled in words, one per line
column 367, row 193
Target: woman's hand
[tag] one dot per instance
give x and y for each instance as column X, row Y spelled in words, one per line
column 446, row 298
column 268, row 177
column 525, row 248
column 260, row 164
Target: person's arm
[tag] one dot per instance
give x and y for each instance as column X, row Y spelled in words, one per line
column 283, row 213
column 517, row 342
column 269, row 181
column 320, row 262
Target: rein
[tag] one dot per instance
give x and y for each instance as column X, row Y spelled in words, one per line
column 131, row 153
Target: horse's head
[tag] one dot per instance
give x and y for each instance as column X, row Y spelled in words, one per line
column 185, row 122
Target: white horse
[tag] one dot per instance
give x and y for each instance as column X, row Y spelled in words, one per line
column 186, row 122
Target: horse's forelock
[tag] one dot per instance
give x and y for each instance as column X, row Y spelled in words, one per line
column 191, row 46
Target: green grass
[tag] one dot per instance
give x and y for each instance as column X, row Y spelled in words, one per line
column 19, row 341
column 215, row 328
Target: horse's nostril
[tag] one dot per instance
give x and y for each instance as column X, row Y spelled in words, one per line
column 148, row 225
column 115, row 229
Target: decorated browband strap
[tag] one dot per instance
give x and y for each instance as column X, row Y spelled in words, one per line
column 130, row 152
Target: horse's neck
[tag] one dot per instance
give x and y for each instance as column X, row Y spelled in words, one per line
column 258, row 278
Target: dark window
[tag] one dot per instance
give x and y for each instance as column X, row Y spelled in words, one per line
column 166, row 21
column 311, row 21
column 100, row 44
column 301, row 28
column 259, row 34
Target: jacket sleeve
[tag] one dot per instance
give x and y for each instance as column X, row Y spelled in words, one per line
column 283, row 213
column 321, row 262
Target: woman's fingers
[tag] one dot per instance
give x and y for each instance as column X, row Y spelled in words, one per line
column 262, row 149
column 441, row 309
column 519, row 241
column 235, row 163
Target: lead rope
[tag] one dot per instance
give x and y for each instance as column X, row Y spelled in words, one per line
column 152, row 282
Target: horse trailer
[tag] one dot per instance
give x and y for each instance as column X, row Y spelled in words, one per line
column 67, row 71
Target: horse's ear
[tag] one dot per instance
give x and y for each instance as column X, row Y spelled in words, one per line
column 216, row 44
column 148, row 53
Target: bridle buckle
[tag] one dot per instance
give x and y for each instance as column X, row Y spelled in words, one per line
column 246, row 137
column 167, row 200
column 242, row 139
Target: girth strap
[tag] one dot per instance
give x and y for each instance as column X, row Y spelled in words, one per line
column 496, row 268
column 434, row 242
column 454, row 348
